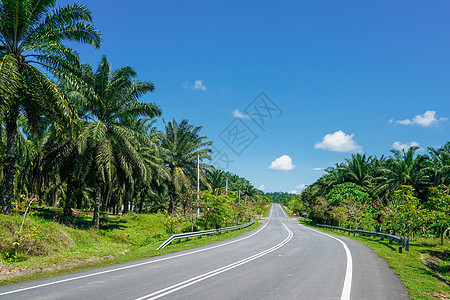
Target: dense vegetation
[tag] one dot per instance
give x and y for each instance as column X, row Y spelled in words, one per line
column 280, row 197
column 77, row 136
column 409, row 192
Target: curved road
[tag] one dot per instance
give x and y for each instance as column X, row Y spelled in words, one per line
column 280, row 260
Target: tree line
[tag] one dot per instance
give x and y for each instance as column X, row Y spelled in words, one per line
column 407, row 191
column 77, row 136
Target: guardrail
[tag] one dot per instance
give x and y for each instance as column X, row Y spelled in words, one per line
column 187, row 235
column 402, row 242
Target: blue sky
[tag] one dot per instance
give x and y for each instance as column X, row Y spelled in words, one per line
column 336, row 77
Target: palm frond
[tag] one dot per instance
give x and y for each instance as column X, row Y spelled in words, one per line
column 9, row 77
column 66, row 23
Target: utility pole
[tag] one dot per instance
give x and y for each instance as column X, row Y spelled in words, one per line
column 226, row 185
column 198, row 184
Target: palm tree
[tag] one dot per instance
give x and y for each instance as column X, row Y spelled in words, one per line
column 248, row 190
column 405, row 168
column 70, row 166
column 439, row 167
column 180, row 145
column 32, row 32
column 217, row 180
column 377, row 188
column 153, row 161
column 358, row 169
column 2, row 153
column 111, row 139
column 9, row 74
column 334, row 175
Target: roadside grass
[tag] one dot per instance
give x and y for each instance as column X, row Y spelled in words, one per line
column 53, row 245
column 424, row 269
column 287, row 211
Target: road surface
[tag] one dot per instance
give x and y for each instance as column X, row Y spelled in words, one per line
column 280, row 260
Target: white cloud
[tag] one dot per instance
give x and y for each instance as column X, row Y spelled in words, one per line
column 238, row 114
column 404, row 122
column 301, row 186
column 282, row 163
column 426, row 119
column 262, row 187
column 293, row 192
column 338, row 142
column 317, row 169
column 198, row 85
column 400, row 146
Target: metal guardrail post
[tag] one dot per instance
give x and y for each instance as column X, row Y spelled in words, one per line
column 187, row 235
column 403, row 242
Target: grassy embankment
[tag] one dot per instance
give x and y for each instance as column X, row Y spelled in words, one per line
column 425, row 269
column 48, row 247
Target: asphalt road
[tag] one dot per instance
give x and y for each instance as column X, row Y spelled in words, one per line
column 280, row 260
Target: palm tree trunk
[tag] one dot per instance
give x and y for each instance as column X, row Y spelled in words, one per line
column 96, row 216
column 55, row 197
column 42, row 183
column 141, row 203
column 69, row 195
column 126, row 201
column 79, row 197
column 172, row 203
column 119, row 201
column 107, row 195
column 10, row 161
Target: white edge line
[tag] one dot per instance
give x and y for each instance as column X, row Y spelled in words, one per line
column 135, row 265
column 346, row 289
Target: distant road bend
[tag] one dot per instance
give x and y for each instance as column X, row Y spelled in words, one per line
column 280, row 260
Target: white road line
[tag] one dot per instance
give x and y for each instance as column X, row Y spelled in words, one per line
column 347, row 288
column 135, row 265
column 270, row 211
column 194, row 280
column 284, row 213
